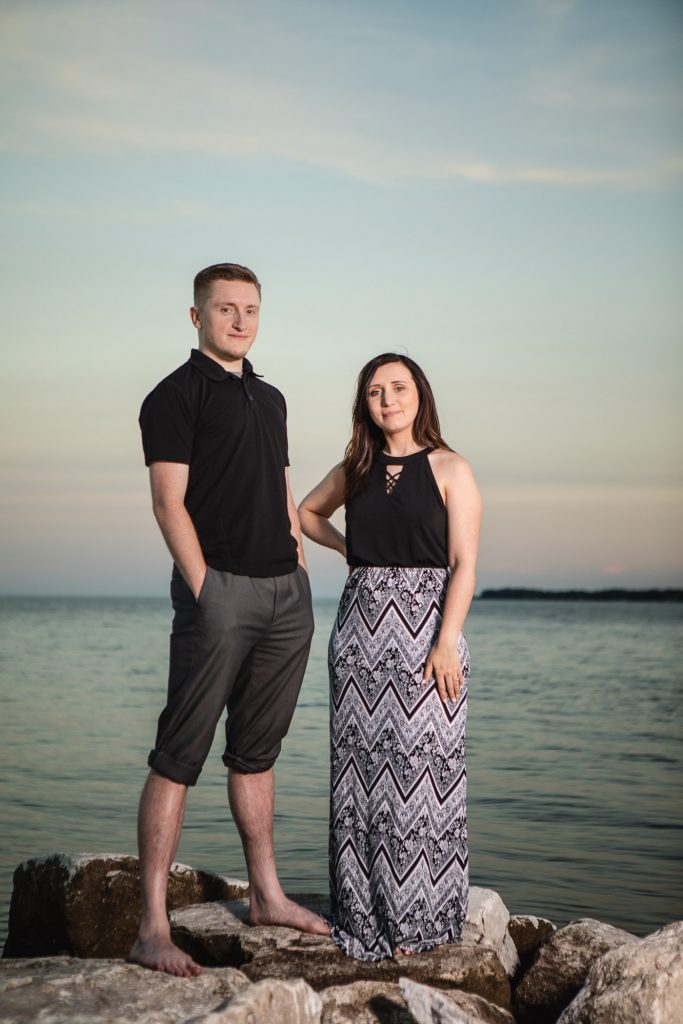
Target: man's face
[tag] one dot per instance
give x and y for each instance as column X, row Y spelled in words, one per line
column 227, row 321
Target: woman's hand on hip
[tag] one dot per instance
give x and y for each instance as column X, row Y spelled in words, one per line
column 443, row 664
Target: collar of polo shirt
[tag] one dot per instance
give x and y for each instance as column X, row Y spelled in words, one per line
column 214, row 371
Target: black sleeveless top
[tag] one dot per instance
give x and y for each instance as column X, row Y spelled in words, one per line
column 398, row 521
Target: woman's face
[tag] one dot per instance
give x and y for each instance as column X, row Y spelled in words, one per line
column 392, row 397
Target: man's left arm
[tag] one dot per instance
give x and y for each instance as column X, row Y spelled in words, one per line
column 294, row 521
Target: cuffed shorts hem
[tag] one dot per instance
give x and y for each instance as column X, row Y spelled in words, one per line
column 174, row 770
column 251, row 767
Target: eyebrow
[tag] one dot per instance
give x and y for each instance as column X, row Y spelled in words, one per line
column 229, row 302
column 391, row 382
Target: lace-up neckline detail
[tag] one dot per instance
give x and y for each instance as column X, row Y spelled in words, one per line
column 393, row 466
column 391, row 479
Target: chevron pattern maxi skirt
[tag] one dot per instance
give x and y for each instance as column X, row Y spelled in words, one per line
column 398, row 827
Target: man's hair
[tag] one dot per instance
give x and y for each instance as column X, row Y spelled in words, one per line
column 222, row 272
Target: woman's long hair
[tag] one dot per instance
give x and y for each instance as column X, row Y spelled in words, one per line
column 367, row 438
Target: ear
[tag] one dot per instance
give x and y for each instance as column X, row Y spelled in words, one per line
column 194, row 316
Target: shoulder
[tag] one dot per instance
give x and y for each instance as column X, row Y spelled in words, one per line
column 179, row 379
column 176, row 387
column 454, row 474
column 270, row 392
column 450, row 464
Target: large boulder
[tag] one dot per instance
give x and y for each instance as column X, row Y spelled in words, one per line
column 88, row 905
column 365, row 1002
column 272, row 1002
column 560, row 968
column 218, row 934
column 640, row 981
column 433, row 1006
column 65, row 990
column 486, row 924
column 528, row 934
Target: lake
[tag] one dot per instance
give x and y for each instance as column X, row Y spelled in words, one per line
column 574, row 751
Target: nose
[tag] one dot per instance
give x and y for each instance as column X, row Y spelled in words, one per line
column 385, row 398
column 237, row 320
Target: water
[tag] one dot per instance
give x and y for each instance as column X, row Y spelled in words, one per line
column 574, row 751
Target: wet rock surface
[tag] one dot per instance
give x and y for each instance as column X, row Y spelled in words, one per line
column 88, row 905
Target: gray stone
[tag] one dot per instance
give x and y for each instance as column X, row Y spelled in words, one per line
column 560, row 968
column 487, row 925
column 528, row 934
column 365, row 1002
column 218, row 934
column 270, row 1002
column 66, row 990
column 433, row 1006
column 638, row 982
column 473, row 968
column 89, row 904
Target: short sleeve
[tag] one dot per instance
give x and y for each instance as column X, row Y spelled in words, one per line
column 286, row 444
column 167, row 425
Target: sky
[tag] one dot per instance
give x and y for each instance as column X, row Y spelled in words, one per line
column 492, row 188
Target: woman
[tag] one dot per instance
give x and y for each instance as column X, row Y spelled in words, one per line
column 399, row 666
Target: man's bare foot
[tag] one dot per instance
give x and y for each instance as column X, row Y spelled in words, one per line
column 160, row 954
column 402, row 952
column 287, row 914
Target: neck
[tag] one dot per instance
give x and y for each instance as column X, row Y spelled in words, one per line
column 231, row 365
column 402, row 443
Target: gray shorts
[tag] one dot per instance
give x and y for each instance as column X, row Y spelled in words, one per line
column 242, row 645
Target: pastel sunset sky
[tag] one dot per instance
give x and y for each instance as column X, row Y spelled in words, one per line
column 493, row 188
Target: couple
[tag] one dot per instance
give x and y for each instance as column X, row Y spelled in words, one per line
column 215, row 440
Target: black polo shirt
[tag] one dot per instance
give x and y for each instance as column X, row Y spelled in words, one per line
column 231, row 431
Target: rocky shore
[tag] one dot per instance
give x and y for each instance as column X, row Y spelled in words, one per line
column 73, row 919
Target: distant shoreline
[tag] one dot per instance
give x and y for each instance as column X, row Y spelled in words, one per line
column 613, row 594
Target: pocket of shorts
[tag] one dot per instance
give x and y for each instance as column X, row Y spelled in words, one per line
column 202, row 590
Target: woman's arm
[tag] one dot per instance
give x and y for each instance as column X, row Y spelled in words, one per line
column 463, row 507
column 317, row 507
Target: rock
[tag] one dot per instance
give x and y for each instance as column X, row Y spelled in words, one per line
column 217, row 934
column 317, row 960
column 365, row 1002
column 65, row 990
column 487, row 925
column 432, row 1006
column 528, row 934
column 273, row 1002
column 89, row 904
column 560, row 967
column 641, row 981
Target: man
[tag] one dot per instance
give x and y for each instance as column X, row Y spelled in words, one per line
column 214, row 437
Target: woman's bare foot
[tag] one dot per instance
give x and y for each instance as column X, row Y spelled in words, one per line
column 287, row 914
column 160, row 954
column 402, row 952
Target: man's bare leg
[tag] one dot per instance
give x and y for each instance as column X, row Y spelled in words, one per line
column 252, row 800
column 160, row 820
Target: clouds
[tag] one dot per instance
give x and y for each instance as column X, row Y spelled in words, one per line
column 489, row 187
column 386, row 100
